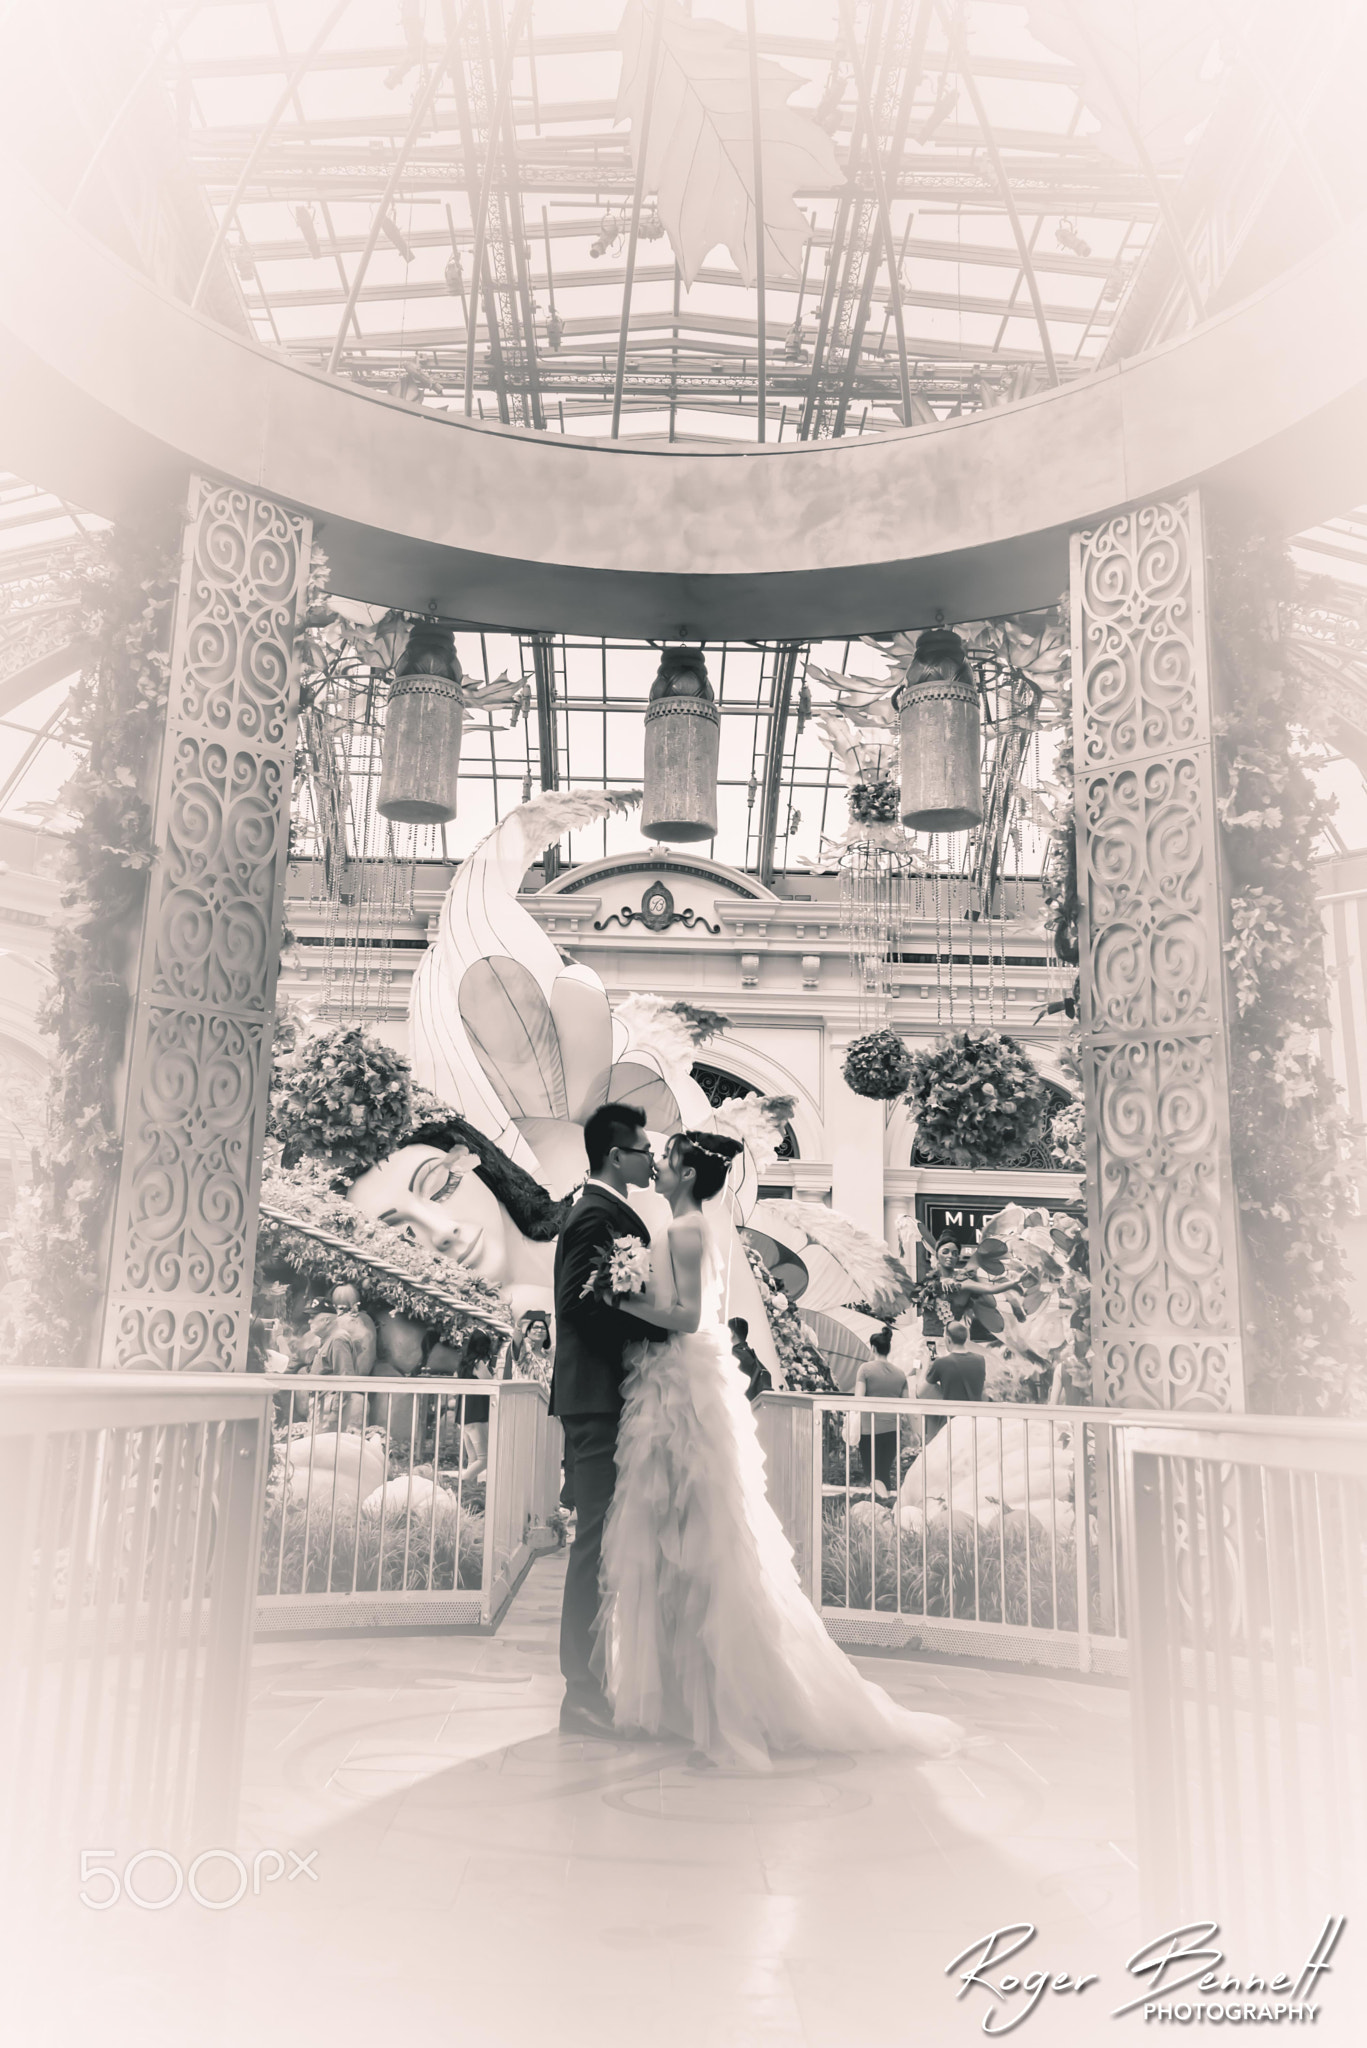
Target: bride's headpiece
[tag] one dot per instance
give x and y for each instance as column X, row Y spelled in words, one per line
column 720, row 1146
column 710, row 1154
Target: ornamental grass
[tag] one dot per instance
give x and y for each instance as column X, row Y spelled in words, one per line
column 346, row 1558
column 860, row 1551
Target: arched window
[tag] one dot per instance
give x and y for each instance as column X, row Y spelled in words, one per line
column 719, row 1087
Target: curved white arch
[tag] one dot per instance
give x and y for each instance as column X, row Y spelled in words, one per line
column 112, row 390
column 734, row 1056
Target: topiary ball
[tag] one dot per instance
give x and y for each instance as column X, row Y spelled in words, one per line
column 878, row 1065
column 978, row 1100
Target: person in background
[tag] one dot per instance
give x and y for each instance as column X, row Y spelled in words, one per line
column 950, row 1292
column 301, row 1338
column 957, row 1373
column 355, row 1327
column 758, row 1379
column 258, row 1343
column 401, row 1347
column 532, row 1351
column 879, row 1379
column 476, row 1364
column 354, row 1324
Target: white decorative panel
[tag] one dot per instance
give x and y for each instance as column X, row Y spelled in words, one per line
column 1165, row 1314
column 184, row 1236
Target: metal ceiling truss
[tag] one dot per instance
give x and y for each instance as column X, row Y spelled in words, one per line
column 477, row 126
column 861, row 241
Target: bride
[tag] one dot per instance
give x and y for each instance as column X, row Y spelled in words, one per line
column 704, row 1631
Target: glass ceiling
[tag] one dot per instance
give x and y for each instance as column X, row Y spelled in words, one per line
column 305, row 123
column 960, row 202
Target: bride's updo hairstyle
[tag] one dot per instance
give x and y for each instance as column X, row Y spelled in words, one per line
column 709, row 1154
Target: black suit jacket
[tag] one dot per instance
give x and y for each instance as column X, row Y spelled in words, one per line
column 591, row 1335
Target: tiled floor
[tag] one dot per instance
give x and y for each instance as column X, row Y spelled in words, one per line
column 479, row 1880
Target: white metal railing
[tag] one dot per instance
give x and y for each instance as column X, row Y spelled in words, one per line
column 972, row 1541
column 395, row 1503
column 1221, row 1559
column 130, row 1517
column 1248, row 1602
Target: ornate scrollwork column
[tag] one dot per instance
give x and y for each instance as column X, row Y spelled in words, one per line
column 184, row 1233
column 1163, row 1216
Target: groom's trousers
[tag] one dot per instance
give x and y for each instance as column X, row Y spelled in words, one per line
column 591, row 1444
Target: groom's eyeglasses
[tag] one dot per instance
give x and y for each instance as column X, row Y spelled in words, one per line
column 637, row 1148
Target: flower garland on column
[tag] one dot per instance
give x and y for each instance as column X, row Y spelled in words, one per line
column 115, row 718
column 1288, row 1134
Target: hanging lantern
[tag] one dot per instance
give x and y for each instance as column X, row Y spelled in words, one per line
column 941, row 738
column 421, row 757
column 683, row 739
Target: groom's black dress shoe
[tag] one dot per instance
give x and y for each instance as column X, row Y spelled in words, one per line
column 577, row 1717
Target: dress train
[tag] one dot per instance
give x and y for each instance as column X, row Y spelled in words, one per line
column 705, row 1631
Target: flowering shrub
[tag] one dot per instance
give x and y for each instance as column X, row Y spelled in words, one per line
column 977, row 1098
column 878, row 1065
column 115, row 718
column 805, row 1371
column 344, row 1096
column 1047, row 1319
column 875, row 803
column 1287, row 1134
column 1068, row 1137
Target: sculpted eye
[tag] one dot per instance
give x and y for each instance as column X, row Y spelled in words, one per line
column 432, row 1180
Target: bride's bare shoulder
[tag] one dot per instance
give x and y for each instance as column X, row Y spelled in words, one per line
column 686, row 1230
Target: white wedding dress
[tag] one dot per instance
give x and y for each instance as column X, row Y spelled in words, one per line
column 704, row 1630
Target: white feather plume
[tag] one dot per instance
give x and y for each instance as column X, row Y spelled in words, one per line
column 653, row 1027
column 872, row 1273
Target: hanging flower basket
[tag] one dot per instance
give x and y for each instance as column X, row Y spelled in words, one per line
column 343, row 1096
column 878, row 1065
column 978, row 1100
column 875, row 803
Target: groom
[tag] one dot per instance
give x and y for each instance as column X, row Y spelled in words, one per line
column 586, row 1383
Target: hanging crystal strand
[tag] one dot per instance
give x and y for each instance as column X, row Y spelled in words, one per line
column 970, row 907
column 939, row 949
column 848, row 915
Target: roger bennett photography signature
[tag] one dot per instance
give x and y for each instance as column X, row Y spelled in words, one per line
column 1173, row 1963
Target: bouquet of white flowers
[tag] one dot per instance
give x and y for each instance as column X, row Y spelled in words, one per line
column 625, row 1270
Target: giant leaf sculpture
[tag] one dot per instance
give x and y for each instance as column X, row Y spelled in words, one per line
column 700, row 158
column 1144, row 66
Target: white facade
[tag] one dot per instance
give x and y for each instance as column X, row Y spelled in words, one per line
column 778, row 967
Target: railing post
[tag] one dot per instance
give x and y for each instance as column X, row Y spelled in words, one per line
column 785, row 1424
column 492, row 1497
column 232, row 1611
column 1155, row 1691
column 1082, row 1548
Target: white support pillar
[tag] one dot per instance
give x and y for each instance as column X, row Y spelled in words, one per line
column 1163, row 1214
column 184, row 1233
column 854, row 1137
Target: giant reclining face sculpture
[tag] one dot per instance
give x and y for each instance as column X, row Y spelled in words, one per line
column 438, row 1194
